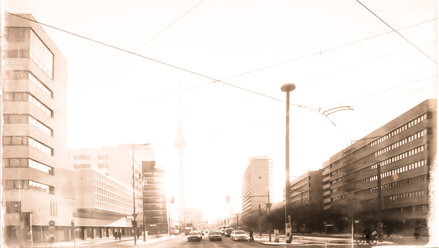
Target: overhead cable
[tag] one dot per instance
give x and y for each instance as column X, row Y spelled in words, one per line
column 398, row 33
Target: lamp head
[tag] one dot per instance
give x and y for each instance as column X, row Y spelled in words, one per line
column 288, row 87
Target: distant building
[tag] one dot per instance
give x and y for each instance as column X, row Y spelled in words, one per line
column 306, row 190
column 256, row 185
column 102, row 205
column 155, row 215
column 385, row 175
column 117, row 163
column 34, row 133
column 306, row 201
column 194, row 217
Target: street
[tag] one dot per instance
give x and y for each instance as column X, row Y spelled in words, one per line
column 181, row 241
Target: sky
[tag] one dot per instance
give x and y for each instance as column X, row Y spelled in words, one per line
column 337, row 53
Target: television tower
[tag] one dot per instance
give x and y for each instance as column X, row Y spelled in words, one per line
column 180, row 144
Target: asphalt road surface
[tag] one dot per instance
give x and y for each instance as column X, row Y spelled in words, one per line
column 182, row 242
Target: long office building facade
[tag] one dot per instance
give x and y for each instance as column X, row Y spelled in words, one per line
column 305, row 201
column 34, row 132
column 118, row 163
column 384, row 177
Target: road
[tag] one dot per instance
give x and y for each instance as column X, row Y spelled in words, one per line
column 180, row 241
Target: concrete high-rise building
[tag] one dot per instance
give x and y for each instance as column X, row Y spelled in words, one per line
column 155, row 215
column 385, row 175
column 34, row 132
column 257, row 184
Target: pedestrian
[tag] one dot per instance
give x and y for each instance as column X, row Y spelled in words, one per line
column 388, row 231
column 417, row 232
column 251, row 235
column 367, row 234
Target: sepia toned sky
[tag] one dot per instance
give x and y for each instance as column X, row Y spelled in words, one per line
column 336, row 52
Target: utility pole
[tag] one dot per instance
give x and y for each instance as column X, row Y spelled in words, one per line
column 287, row 88
column 134, row 204
column 259, row 221
column 269, row 217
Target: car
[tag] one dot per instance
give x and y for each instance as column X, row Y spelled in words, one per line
column 194, row 236
column 215, row 235
column 228, row 231
column 237, row 235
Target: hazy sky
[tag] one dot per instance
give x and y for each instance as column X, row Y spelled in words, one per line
column 336, row 52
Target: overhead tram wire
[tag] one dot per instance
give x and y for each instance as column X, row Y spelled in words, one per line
column 153, row 38
column 397, row 95
column 299, row 58
column 158, row 61
column 394, row 30
column 234, row 76
column 381, row 91
column 359, row 63
column 202, row 75
column 325, row 50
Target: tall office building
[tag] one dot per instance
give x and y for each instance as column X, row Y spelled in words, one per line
column 155, row 216
column 34, row 132
column 385, row 175
column 256, row 185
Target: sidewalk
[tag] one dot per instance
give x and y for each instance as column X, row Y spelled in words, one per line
column 336, row 239
column 84, row 243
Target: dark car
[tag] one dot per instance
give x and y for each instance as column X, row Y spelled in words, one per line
column 194, row 236
column 215, row 235
column 228, row 231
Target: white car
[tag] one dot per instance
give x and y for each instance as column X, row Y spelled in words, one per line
column 237, row 235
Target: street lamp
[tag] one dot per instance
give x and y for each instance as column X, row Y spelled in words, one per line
column 287, row 88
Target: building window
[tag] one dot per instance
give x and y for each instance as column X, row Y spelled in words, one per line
column 40, row 105
column 40, row 187
column 13, row 207
column 40, row 54
column 103, row 156
column 103, row 166
column 82, row 166
column 40, row 146
column 34, row 122
column 27, row 163
column 24, row 118
column 82, row 157
column 40, row 166
column 40, row 85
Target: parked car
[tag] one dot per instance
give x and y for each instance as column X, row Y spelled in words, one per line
column 237, row 235
column 228, row 231
column 215, row 235
column 194, row 236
